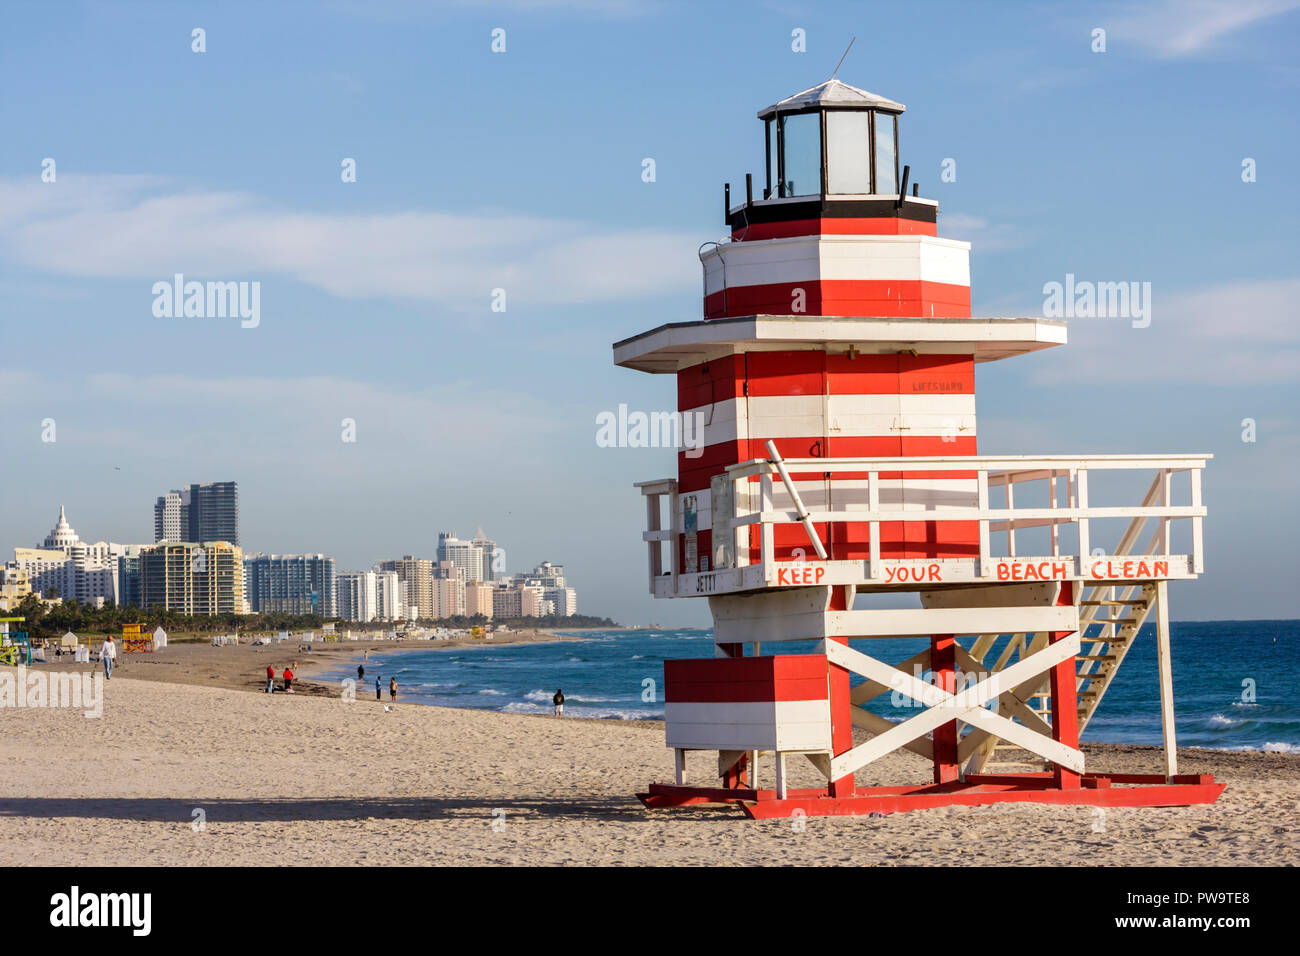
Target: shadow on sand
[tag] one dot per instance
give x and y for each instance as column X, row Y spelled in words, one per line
column 609, row 809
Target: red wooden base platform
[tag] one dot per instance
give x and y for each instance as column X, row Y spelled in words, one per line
column 1096, row 789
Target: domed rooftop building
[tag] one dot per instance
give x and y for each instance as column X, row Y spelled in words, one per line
column 63, row 536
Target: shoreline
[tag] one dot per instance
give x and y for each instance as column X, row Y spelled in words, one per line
column 242, row 668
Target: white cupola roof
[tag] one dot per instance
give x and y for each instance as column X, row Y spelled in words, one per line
column 63, row 536
column 833, row 93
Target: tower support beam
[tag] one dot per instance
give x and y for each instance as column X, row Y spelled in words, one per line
column 1165, row 666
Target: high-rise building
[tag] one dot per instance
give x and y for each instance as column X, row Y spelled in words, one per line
column 291, row 584
column 478, row 600
column 506, row 602
column 478, row 557
column 74, row 569
column 493, row 560
column 416, row 575
column 171, row 517
column 390, row 596
column 192, row 578
column 14, row 588
column 201, row 512
column 128, row 575
column 561, row 600
column 357, row 595
column 463, row 554
column 564, row 601
column 531, row 601
column 214, row 512
column 449, row 590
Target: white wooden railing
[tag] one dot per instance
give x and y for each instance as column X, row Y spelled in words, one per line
column 752, row 499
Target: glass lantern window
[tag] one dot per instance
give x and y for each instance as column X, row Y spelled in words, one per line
column 848, row 151
column 802, row 140
column 886, row 164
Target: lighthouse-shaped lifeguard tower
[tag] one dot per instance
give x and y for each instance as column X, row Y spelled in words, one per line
column 833, row 377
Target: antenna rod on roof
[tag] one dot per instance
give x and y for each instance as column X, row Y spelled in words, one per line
column 846, row 53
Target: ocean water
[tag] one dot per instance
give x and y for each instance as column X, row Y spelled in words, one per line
column 1236, row 683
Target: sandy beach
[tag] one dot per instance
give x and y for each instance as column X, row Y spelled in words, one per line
column 313, row 779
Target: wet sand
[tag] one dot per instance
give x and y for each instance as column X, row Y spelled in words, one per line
column 243, row 666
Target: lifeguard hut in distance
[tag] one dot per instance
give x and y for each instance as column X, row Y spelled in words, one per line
column 834, row 377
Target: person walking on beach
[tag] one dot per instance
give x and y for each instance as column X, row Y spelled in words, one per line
column 558, row 701
column 288, row 680
column 361, row 673
column 392, row 688
column 270, row 679
column 379, row 693
column 108, row 654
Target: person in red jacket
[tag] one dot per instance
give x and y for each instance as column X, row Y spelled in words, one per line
column 288, row 681
column 270, row 679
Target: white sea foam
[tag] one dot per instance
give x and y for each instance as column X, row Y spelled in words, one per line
column 1281, row 748
column 1218, row 720
column 1272, row 747
column 606, row 713
column 519, row 707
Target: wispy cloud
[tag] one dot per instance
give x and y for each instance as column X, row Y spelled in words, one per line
column 1233, row 334
column 284, row 420
column 138, row 227
column 408, row 11
column 1179, row 28
column 984, row 236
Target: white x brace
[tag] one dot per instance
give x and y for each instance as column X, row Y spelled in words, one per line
column 967, row 705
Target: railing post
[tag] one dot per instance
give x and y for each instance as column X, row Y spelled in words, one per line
column 1166, row 540
column 986, row 566
column 1198, row 556
column 673, row 548
column 873, row 527
column 1051, row 503
column 1011, row 522
column 1081, row 498
column 1164, row 667
column 739, row 488
column 767, row 538
column 656, row 547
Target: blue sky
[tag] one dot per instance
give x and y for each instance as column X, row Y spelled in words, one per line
column 522, row 170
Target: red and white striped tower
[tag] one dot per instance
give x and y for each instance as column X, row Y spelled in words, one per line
column 828, row 399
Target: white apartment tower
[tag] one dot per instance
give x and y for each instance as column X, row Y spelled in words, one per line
column 475, row 557
column 357, row 595
column 390, row 596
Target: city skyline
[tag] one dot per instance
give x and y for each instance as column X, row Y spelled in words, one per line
column 212, row 576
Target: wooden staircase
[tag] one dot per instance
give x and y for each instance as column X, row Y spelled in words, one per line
column 1115, row 612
